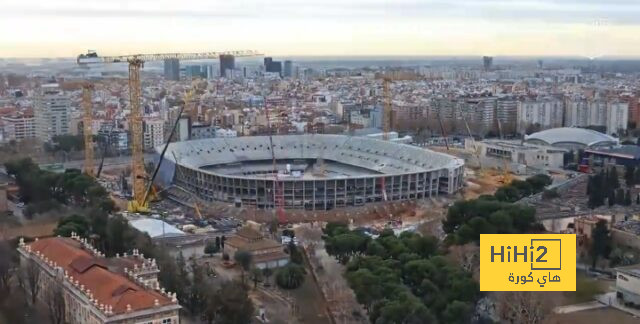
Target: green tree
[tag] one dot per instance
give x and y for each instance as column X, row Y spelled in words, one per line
column 70, row 224
column 600, row 242
column 211, row 248
column 611, row 199
column 294, row 253
column 267, row 273
column 630, row 175
column 229, row 304
column 458, row 313
column 290, row 276
column 256, row 276
column 620, row 196
column 627, row 198
column 244, row 259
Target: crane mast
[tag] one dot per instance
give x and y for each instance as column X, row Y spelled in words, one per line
column 136, row 63
column 137, row 158
column 87, row 121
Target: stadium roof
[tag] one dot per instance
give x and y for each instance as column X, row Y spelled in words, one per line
column 156, row 228
column 384, row 157
column 572, row 135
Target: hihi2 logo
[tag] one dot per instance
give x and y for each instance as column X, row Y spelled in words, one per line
column 527, row 262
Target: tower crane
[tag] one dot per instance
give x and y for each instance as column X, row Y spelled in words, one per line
column 136, row 63
column 87, row 121
column 387, row 79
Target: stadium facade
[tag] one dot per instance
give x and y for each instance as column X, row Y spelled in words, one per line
column 315, row 172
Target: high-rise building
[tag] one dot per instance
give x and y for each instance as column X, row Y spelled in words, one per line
column 193, row 71
column 267, row 62
column 541, row 113
column 172, row 69
column 153, row 132
column 51, row 111
column 288, row 69
column 272, row 66
column 227, row 62
column 487, row 62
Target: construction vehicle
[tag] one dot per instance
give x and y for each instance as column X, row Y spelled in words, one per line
column 136, row 63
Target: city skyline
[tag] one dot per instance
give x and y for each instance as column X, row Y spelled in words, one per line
column 65, row 28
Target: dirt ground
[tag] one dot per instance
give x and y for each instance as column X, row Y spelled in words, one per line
column 594, row 316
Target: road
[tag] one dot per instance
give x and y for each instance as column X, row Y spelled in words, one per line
column 118, row 161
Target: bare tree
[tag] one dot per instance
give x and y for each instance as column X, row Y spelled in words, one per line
column 56, row 303
column 522, row 307
column 31, row 279
column 6, row 267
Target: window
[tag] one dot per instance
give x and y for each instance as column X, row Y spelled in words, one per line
column 166, row 321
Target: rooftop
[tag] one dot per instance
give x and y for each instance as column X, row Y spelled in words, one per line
column 91, row 272
column 572, row 135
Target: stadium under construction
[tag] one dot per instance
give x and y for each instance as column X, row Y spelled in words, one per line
column 312, row 172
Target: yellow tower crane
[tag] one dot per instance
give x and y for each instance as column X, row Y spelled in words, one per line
column 87, row 121
column 136, row 63
column 387, row 124
column 387, row 79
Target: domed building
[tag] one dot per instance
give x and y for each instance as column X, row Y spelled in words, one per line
column 571, row 138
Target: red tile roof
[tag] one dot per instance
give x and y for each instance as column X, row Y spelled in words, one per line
column 109, row 288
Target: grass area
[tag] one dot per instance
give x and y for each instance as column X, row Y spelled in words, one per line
column 586, row 288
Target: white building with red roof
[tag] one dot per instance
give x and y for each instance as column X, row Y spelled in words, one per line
column 97, row 289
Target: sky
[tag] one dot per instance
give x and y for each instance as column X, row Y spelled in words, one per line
column 66, row 28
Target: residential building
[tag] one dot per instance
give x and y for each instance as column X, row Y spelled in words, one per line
column 18, row 127
column 52, row 112
column 612, row 115
column 542, row 113
column 617, row 117
column 153, row 132
column 96, row 289
column 116, row 139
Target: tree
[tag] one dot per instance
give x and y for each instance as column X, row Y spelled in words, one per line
column 627, row 198
column 600, row 242
column 229, row 304
column 458, row 312
column 72, row 224
column 243, row 258
column 6, row 267
column 196, row 296
column 30, row 278
column 523, row 307
column 620, row 196
column 267, row 273
column 256, row 276
column 290, row 276
column 630, row 175
column 211, row 248
column 56, row 303
column 294, row 254
column 611, row 199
